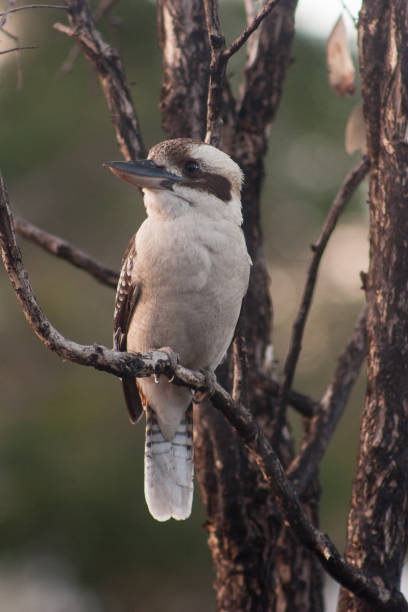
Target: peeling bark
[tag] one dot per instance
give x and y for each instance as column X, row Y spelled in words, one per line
column 183, row 38
column 378, row 519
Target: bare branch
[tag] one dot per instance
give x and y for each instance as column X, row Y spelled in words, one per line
column 245, row 425
column 108, row 66
column 287, row 500
column 64, row 250
column 219, row 59
column 102, row 9
column 241, row 40
column 332, row 405
column 349, row 185
column 9, row 34
column 17, row 49
column 32, row 6
column 350, row 14
column 217, row 73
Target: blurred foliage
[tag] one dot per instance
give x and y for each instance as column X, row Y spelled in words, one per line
column 70, row 464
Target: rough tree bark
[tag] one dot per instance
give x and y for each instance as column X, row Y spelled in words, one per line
column 259, row 565
column 378, row 519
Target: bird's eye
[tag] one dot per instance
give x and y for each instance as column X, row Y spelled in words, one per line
column 191, row 168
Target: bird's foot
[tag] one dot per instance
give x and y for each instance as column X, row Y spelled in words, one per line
column 174, row 360
column 209, row 390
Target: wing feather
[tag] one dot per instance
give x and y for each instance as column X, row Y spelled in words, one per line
column 127, row 297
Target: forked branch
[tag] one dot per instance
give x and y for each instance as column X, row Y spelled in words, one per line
column 219, row 59
column 102, row 9
column 348, row 187
column 241, row 40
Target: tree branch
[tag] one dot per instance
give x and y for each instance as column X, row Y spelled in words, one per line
column 108, row 66
column 64, row 250
column 17, row 49
column 349, row 185
column 102, row 9
column 32, row 6
column 183, row 39
column 332, row 405
column 219, row 59
column 287, row 500
column 218, row 65
column 241, row 40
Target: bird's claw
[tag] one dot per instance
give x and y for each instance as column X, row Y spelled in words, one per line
column 210, row 382
column 173, row 358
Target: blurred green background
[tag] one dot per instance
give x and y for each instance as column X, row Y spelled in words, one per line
column 75, row 534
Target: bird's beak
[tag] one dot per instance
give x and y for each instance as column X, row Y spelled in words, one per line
column 143, row 173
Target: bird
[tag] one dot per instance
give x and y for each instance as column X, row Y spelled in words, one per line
column 182, row 281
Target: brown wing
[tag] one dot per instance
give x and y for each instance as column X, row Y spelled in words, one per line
column 127, row 296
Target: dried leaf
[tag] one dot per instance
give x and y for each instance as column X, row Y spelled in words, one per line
column 356, row 138
column 339, row 62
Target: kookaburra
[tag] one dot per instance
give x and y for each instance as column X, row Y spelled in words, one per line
column 183, row 278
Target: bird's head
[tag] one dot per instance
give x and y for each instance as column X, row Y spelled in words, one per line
column 182, row 176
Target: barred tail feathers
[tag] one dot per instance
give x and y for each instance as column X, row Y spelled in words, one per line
column 169, row 469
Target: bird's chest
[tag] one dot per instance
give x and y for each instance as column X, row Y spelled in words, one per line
column 175, row 259
column 192, row 283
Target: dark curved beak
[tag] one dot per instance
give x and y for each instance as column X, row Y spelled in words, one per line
column 143, row 173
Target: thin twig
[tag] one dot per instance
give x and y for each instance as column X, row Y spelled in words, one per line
column 64, row 250
column 32, row 6
column 241, row 40
column 323, row 425
column 350, row 14
column 18, row 58
column 9, row 34
column 349, row 185
column 17, row 49
column 240, row 418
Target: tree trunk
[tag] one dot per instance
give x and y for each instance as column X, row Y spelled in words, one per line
column 258, row 564
column 378, row 519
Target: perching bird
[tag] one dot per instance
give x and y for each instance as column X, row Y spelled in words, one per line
column 182, row 282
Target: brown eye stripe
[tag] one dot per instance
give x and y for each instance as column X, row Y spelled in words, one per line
column 212, row 183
